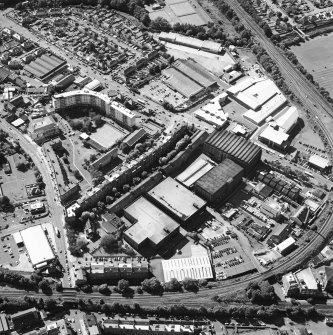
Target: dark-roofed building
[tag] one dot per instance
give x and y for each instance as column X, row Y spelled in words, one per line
column 195, row 71
column 219, row 181
column 134, row 137
column 283, row 187
column 4, row 74
column 223, row 144
column 18, row 101
column 28, row 317
column 176, row 200
column 151, row 227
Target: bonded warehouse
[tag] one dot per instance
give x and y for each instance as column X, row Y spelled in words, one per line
column 220, row 181
column 176, row 200
column 151, row 228
column 223, row 144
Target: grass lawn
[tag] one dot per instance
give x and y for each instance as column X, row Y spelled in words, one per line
column 316, row 56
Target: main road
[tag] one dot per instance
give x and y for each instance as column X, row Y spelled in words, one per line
column 55, row 207
column 317, row 105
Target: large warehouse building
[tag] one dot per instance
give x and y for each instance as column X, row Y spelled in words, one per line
column 194, row 172
column 189, row 78
column 261, row 96
column 176, row 200
column 191, row 42
column 219, row 181
column 192, row 267
column 45, row 66
column 37, row 245
column 195, row 71
column 182, row 84
column 151, row 227
column 223, row 144
column 101, row 101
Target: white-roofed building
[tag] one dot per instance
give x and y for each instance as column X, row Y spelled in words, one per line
column 271, row 106
column 212, row 112
column 287, row 121
column 87, row 97
column 285, row 247
column 319, row 162
column 93, row 85
column 17, row 238
column 274, row 138
column 209, row 46
column 308, row 285
column 193, row 267
column 37, row 245
column 18, row 122
column 194, row 172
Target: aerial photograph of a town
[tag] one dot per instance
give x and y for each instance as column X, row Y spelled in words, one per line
column 166, row 167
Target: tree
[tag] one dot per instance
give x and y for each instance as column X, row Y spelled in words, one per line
column 98, row 120
column 104, row 289
column 58, row 287
column 173, row 285
column 126, row 188
column 152, row 285
column 77, row 174
column 123, row 285
column 190, row 284
column 109, row 199
column 109, row 243
column 44, row 285
column 160, row 24
column 21, row 166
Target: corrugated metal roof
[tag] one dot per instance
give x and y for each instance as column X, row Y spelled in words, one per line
column 217, row 177
column 234, row 145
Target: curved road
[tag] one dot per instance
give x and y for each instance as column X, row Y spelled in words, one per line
column 55, row 207
column 314, row 102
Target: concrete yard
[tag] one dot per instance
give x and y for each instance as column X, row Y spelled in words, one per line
column 107, row 135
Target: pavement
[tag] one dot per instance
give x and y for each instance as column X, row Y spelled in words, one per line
column 52, row 193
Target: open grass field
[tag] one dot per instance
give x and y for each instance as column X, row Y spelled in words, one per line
column 316, row 56
column 14, row 184
column 182, row 11
column 107, row 135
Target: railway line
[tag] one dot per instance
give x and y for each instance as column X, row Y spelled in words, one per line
column 322, row 112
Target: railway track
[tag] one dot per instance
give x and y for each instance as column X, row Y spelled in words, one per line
column 319, row 108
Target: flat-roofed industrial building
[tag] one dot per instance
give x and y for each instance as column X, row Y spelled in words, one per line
column 190, row 267
column 219, row 181
column 194, row 172
column 223, row 144
column 196, row 72
column 151, row 227
column 37, row 245
column 176, row 200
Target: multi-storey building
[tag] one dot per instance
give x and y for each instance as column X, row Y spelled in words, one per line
column 43, row 129
column 107, row 270
column 101, row 101
column 139, row 326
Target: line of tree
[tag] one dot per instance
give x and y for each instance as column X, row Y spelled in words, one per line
column 224, row 313
column 248, row 7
